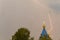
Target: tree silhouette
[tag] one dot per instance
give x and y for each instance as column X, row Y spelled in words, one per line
column 21, row 34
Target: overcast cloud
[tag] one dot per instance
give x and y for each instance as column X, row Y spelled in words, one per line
column 30, row 14
column 54, row 4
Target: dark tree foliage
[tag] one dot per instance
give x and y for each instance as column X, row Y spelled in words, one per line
column 31, row 38
column 21, row 34
column 45, row 37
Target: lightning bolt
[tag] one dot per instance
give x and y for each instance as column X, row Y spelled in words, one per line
column 51, row 26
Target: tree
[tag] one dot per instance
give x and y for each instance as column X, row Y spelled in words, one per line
column 31, row 38
column 45, row 37
column 21, row 34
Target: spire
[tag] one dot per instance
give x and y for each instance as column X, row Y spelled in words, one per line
column 44, row 34
column 44, row 25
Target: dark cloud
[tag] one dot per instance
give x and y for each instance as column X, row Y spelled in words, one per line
column 55, row 7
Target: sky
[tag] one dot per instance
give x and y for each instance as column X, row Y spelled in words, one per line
column 30, row 14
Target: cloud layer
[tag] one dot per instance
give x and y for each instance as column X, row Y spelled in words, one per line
column 27, row 13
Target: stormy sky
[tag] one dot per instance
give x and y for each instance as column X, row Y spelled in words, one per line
column 30, row 14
